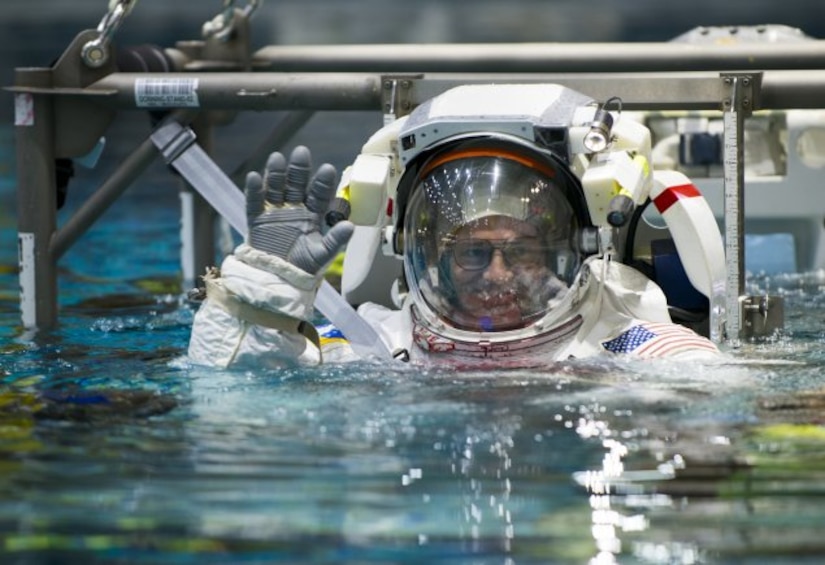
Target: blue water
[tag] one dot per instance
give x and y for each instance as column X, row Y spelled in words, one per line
column 114, row 450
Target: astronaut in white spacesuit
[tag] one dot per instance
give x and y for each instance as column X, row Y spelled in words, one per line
column 504, row 205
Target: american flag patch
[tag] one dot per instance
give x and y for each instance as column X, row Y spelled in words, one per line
column 658, row 340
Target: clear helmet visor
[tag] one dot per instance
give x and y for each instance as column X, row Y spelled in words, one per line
column 489, row 240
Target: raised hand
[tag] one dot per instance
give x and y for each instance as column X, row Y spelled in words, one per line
column 284, row 210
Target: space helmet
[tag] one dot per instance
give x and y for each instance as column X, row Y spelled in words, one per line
column 492, row 240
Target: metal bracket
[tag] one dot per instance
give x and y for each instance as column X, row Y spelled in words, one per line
column 173, row 141
column 744, row 92
column 397, row 95
column 762, row 315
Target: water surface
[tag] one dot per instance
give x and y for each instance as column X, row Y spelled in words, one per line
column 114, row 450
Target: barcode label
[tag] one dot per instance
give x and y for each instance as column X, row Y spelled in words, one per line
column 166, row 93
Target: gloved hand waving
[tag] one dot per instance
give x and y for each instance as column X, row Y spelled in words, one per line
column 284, row 210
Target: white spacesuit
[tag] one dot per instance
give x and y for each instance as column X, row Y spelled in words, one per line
column 513, row 211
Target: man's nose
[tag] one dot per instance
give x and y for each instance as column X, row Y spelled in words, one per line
column 498, row 270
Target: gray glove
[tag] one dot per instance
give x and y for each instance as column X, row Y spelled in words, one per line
column 285, row 207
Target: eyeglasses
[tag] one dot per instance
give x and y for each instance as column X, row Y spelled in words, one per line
column 477, row 254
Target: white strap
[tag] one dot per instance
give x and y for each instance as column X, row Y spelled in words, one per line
column 218, row 294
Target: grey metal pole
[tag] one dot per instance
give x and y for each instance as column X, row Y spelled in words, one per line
column 245, row 91
column 36, row 199
column 542, row 57
column 261, row 91
column 792, row 90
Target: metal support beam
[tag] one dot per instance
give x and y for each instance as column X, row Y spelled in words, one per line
column 241, row 91
column 793, row 90
column 736, row 107
column 36, row 200
column 259, row 91
column 541, row 57
column 650, row 91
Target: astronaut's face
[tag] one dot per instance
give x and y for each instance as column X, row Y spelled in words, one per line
column 498, row 267
column 490, row 239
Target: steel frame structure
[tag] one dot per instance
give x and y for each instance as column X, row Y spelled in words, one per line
column 61, row 112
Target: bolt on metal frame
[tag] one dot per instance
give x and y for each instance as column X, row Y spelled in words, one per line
column 63, row 110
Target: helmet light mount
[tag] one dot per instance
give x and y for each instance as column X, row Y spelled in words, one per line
column 598, row 138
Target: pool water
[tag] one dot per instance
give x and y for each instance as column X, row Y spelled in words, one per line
column 114, row 450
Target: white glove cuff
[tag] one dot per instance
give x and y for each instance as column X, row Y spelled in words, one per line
column 275, row 265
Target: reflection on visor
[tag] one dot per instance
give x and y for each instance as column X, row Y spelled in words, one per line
column 489, row 239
